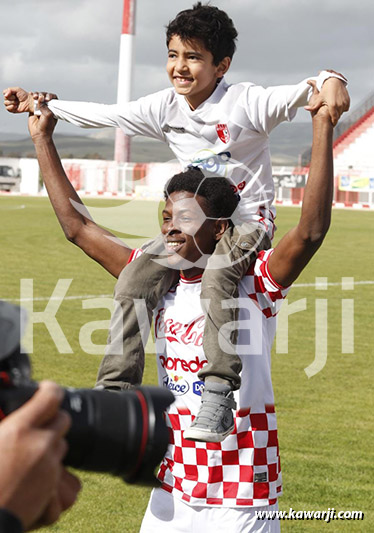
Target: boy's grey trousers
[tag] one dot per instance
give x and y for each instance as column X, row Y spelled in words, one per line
column 147, row 281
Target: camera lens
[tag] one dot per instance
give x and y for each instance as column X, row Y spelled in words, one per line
column 122, row 433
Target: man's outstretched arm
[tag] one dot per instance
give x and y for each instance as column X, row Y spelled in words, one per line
column 77, row 225
column 297, row 247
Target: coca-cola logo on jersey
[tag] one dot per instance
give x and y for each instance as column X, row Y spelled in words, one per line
column 174, row 331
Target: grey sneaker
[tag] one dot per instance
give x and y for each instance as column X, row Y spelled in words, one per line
column 214, row 420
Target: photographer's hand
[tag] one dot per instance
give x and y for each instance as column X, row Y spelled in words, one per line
column 34, row 485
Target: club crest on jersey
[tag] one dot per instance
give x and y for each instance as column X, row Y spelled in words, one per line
column 223, row 132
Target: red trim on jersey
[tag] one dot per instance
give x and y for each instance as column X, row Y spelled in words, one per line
column 131, row 258
column 190, row 281
column 268, row 274
column 265, row 271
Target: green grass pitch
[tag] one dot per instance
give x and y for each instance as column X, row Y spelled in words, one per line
column 325, row 422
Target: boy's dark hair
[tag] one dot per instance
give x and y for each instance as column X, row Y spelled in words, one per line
column 210, row 25
column 220, row 197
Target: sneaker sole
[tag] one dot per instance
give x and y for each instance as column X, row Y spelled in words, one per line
column 200, row 435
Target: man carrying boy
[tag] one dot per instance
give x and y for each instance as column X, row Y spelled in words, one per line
column 222, row 129
column 209, row 486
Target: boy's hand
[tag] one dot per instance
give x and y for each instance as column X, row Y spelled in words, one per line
column 17, row 100
column 41, row 126
column 334, row 95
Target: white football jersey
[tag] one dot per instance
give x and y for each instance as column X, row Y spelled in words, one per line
column 244, row 469
column 227, row 135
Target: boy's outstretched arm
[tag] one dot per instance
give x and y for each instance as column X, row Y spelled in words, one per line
column 269, row 107
column 297, row 247
column 140, row 117
column 77, row 225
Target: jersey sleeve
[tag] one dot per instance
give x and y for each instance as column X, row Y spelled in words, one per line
column 140, row 117
column 262, row 288
column 135, row 253
column 268, row 107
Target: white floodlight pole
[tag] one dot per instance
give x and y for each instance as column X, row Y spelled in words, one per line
column 122, row 142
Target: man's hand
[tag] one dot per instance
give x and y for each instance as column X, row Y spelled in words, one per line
column 318, row 108
column 41, row 126
column 34, row 485
column 334, row 95
column 297, row 247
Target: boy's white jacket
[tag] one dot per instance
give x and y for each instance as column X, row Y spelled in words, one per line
column 227, row 135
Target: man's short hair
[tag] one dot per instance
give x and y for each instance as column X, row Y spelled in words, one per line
column 220, row 198
column 210, row 25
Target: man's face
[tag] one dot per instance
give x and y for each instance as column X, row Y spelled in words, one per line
column 188, row 234
column 191, row 70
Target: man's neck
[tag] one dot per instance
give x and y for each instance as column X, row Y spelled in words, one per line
column 192, row 273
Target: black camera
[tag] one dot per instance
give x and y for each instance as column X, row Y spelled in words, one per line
column 121, row 433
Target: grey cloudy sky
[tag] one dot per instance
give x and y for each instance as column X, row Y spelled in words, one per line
column 71, row 47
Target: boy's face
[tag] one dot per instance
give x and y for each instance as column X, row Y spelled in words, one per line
column 191, row 70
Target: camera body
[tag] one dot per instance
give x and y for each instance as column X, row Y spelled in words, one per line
column 121, row 433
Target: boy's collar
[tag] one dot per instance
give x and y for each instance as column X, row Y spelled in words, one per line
column 214, row 97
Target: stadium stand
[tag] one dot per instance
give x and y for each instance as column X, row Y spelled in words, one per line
column 353, row 159
column 353, row 146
